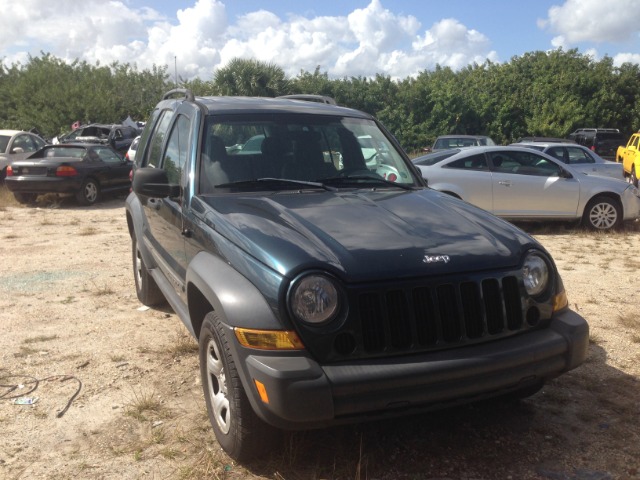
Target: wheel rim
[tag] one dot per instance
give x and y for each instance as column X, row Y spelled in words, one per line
column 603, row 216
column 91, row 192
column 217, row 388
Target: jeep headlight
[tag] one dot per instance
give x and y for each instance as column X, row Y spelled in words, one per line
column 314, row 299
column 535, row 273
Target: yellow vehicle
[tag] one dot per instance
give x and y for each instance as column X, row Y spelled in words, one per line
column 630, row 158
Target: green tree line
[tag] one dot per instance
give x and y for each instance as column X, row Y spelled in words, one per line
column 539, row 93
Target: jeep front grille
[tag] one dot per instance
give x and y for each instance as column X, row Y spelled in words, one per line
column 422, row 317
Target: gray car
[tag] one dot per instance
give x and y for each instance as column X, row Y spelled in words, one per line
column 519, row 183
column 580, row 158
column 16, row 145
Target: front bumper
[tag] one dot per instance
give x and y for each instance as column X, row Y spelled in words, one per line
column 303, row 394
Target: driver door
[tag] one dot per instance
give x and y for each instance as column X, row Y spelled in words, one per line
column 528, row 185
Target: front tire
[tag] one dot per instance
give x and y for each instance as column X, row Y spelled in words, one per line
column 89, row 192
column 239, row 431
column 602, row 213
column 146, row 287
column 633, row 178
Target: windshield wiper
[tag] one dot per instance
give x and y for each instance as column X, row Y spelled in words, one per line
column 368, row 178
column 257, row 181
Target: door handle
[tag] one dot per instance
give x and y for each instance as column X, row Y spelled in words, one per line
column 504, row 183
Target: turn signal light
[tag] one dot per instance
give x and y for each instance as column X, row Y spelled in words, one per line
column 560, row 301
column 9, row 171
column 269, row 339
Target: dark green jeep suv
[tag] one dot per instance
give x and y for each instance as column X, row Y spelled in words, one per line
column 324, row 281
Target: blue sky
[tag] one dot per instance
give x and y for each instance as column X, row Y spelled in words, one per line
column 398, row 38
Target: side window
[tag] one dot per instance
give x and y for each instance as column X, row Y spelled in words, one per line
column 107, row 155
column 175, row 156
column 635, row 141
column 153, row 152
column 579, row 156
column 558, row 152
column 524, row 163
column 23, row 142
column 474, row 162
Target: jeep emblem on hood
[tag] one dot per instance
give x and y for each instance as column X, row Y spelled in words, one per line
column 436, row 259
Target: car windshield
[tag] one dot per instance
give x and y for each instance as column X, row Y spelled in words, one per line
column 237, row 150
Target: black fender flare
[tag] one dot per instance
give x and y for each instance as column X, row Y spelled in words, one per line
column 232, row 296
column 136, row 223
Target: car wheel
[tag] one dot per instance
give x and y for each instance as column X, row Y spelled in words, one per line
column 25, row 198
column 237, row 428
column 89, row 192
column 633, row 178
column 146, row 287
column 602, row 213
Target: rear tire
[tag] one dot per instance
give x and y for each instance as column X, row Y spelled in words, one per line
column 633, row 178
column 25, row 198
column 146, row 287
column 89, row 192
column 239, row 431
column 602, row 213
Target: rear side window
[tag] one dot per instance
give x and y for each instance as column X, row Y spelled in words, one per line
column 578, row 156
column 474, row 162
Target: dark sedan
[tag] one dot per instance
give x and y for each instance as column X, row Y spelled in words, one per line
column 85, row 171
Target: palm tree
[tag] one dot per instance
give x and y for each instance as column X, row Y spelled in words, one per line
column 250, row 78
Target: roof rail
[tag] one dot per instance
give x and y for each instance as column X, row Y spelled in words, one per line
column 310, row 98
column 188, row 94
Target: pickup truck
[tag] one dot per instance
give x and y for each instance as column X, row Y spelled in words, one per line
column 325, row 286
column 629, row 156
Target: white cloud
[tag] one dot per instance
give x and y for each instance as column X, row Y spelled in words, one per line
column 621, row 58
column 577, row 21
column 202, row 38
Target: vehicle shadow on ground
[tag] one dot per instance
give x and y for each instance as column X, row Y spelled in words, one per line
column 581, row 425
column 562, row 228
column 108, row 201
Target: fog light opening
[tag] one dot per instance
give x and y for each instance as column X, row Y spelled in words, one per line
column 533, row 316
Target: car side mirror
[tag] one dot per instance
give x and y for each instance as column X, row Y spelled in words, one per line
column 18, row 150
column 154, row 182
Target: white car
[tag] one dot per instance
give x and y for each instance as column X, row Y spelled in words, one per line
column 131, row 153
column 519, row 183
column 580, row 158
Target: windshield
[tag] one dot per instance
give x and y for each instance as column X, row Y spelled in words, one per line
column 238, row 149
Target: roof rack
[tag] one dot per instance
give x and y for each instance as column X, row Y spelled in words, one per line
column 310, row 98
column 188, row 94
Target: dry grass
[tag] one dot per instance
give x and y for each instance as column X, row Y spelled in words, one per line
column 6, row 198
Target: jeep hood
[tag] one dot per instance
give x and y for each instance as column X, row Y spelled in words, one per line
column 367, row 235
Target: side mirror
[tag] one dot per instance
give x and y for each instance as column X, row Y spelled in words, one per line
column 153, row 182
column 18, row 150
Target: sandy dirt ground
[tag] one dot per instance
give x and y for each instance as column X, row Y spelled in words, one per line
column 116, row 391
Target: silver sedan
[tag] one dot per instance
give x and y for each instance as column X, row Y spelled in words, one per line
column 580, row 158
column 519, row 183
